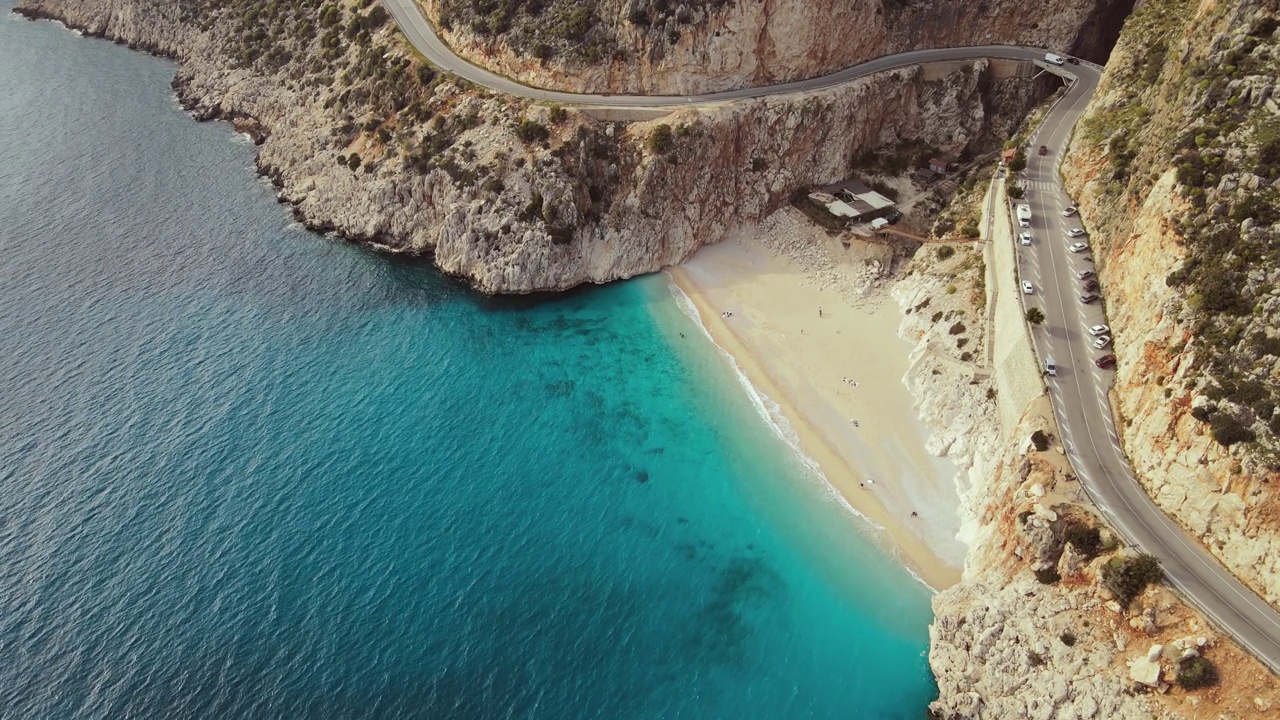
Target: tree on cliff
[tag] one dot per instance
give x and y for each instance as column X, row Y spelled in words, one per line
column 1127, row 577
column 661, row 140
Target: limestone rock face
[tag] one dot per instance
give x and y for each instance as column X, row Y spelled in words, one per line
column 1168, row 360
column 745, row 43
column 560, row 216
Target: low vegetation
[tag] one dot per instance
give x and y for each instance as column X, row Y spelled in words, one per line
column 1216, row 129
column 1127, row 576
column 574, row 30
column 1196, row 672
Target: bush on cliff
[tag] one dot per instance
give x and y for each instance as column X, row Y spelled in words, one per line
column 661, row 140
column 532, row 131
column 1086, row 540
column 1127, row 577
column 1196, row 672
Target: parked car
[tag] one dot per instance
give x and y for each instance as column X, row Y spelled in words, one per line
column 894, row 217
column 1073, row 60
column 1099, row 330
column 1024, row 239
column 1044, row 150
column 1090, row 285
column 1069, row 211
column 1087, row 258
column 1102, row 341
column 1105, row 361
column 1026, row 287
column 1084, row 274
column 1088, row 298
column 1078, row 247
column 1075, row 232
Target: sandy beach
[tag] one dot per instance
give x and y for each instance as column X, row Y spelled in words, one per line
column 835, row 376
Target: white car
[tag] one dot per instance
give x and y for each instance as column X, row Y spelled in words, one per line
column 1084, row 274
column 1075, row 232
column 1026, row 287
column 1069, row 211
column 1024, row 239
column 1102, row 342
column 1078, row 247
column 1099, row 330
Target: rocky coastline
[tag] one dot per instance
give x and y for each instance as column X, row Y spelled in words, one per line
column 577, row 199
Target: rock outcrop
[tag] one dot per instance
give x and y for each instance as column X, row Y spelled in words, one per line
column 694, row 46
column 1176, row 168
column 364, row 140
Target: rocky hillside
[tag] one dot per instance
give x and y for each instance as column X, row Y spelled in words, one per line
column 1177, row 168
column 364, row 139
column 690, row 46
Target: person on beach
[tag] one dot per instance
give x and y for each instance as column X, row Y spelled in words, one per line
column 819, row 311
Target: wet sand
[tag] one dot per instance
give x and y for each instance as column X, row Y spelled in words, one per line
column 808, row 365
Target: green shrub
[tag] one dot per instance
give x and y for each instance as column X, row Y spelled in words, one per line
column 1086, row 540
column 1196, row 672
column 1068, row 638
column 661, row 140
column 944, row 251
column 1227, row 431
column 1048, row 576
column 956, row 329
column 1040, row 441
column 531, row 130
column 1035, row 315
column 1127, row 577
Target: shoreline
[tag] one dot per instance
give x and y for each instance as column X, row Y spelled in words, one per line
column 792, row 358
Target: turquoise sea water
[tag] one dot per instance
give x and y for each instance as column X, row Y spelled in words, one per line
column 251, row 472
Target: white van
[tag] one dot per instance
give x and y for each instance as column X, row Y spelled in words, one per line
column 1055, row 59
column 1050, row 367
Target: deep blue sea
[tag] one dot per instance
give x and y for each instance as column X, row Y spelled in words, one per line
column 247, row 471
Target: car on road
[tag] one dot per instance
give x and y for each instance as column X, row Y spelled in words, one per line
column 894, row 217
column 1099, row 330
column 1105, row 361
column 1024, row 239
column 1075, row 232
column 1073, row 60
column 1069, row 211
column 1078, row 247
column 1087, row 258
column 1088, row 298
column 1102, row 341
column 1027, row 289
column 1089, row 285
column 1044, row 150
column 1084, row 274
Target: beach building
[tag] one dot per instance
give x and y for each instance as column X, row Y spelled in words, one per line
column 854, row 200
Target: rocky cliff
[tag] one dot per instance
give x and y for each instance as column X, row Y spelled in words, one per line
column 1177, row 170
column 363, row 139
column 1035, row 628
column 691, row 46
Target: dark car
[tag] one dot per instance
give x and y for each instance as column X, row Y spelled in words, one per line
column 893, row 217
column 1073, row 61
column 1088, row 298
column 1105, row 361
column 1091, row 285
column 1044, row 150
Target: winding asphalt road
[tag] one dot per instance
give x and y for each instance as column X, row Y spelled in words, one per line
column 423, row 37
column 1083, row 410
column 1079, row 392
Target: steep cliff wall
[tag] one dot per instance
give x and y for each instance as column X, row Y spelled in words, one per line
column 661, row 47
column 1176, row 166
column 363, row 139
